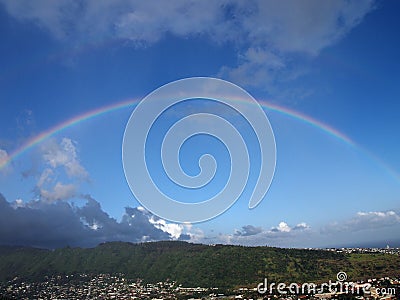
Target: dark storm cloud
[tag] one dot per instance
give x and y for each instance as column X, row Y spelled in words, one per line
column 184, row 237
column 59, row 224
column 248, row 230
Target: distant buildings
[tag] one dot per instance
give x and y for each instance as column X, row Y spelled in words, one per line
column 117, row 286
column 106, row 286
column 387, row 250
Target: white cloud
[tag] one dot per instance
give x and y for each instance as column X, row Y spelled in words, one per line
column 6, row 167
column 64, row 155
column 301, row 226
column 301, row 26
column 373, row 220
column 193, row 234
column 364, row 228
column 58, row 192
column 18, row 203
column 54, row 16
column 143, row 22
column 4, row 162
column 141, row 208
column 45, row 177
column 184, row 231
column 282, row 227
column 282, row 235
column 3, row 157
column 274, row 31
column 257, row 67
column 148, row 21
column 173, row 229
column 61, row 172
column 265, row 32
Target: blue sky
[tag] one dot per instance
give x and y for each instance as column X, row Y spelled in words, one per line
column 335, row 62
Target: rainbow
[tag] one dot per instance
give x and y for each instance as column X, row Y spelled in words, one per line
column 308, row 120
column 132, row 102
column 32, row 142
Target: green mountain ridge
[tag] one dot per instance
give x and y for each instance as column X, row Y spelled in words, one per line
column 195, row 264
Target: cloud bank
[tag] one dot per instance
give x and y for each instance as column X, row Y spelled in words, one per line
column 369, row 229
column 53, row 221
column 282, row 235
column 267, row 35
column 364, row 221
column 60, row 224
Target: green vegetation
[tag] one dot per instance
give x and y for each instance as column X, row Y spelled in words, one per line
column 195, row 264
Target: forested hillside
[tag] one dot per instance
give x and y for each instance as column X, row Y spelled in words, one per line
column 195, row 264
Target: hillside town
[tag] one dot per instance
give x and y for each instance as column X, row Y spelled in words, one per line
column 106, row 286
column 386, row 250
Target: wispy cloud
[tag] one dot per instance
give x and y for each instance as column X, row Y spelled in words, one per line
column 268, row 35
column 4, row 157
column 278, row 36
column 52, row 221
column 60, row 171
column 64, row 154
column 363, row 221
column 59, row 192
